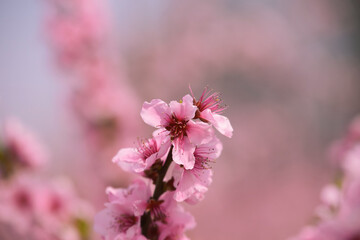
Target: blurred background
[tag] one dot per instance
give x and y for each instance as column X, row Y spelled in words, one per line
column 287, row 70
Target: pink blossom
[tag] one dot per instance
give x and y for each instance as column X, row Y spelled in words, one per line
column 175, row 122
column 177, row 220
column 23, row 145
column 330, row 195
column 209, row 110
column 192, row 184
column 351, row 162
column 76, row 27
column 121, row 217
column 144, row 156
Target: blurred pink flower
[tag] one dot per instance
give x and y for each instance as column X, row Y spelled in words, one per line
column 38, row 210
column 23, row 145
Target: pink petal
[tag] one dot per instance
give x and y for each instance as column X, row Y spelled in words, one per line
column 164, row 148
column 221, row 123
column 195, row 198
column 102, row 222
column 184, row 110
column 129, row 160
column 191, row 182
column 211, row 150
column 183, row 153
column 199, row 132
column 155, row 113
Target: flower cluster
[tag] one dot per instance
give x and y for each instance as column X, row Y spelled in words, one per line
column 339, row 213
column 183, row 135
column 31, row 208
column 79, row 33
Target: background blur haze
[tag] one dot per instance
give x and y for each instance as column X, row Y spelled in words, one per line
column 287, row 70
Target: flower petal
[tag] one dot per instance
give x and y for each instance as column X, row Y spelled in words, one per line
column 199, row 132
column 184, row 110
column 190, row 182
column 221, row 123
column 129, row 160
column 155, row 113
column 183, row 153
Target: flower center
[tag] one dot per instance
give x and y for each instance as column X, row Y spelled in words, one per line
column 147, row 147
column 176, row 127
column 125, row 221
column 23, row 201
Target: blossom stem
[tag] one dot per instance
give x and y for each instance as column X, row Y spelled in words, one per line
column 160, row 188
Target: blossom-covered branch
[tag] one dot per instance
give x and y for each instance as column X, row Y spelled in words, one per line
column 339, row 214
column 185, row 137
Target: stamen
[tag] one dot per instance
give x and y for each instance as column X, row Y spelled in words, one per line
column 147, row 147
column 209, row 100
column 201, row 159
column 177, row 127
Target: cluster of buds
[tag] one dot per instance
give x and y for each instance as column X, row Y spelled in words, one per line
column 185, row 137
column 339, row 214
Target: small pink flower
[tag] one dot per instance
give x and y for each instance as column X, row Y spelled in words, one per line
column 144, row 156
column 209, row 110
column 177, row 220
column 192, row 184
column 121, row 217
column 175, row 122
column 23, row 145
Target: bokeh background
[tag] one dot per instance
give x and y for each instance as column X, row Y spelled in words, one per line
column 287, row 70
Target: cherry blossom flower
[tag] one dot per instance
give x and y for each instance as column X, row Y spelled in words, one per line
column 121, row 217
column 175, row 121
column 191, row 184
column 144, row 156
column 209, row 109
column 177, row 220
column 24, row 147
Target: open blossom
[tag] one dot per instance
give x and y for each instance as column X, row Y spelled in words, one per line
column 144, row 156
column 209, row 110
column 175, row 122
column 121, row 217
column 177, row 221
column 23, row 146
column 193, row 183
